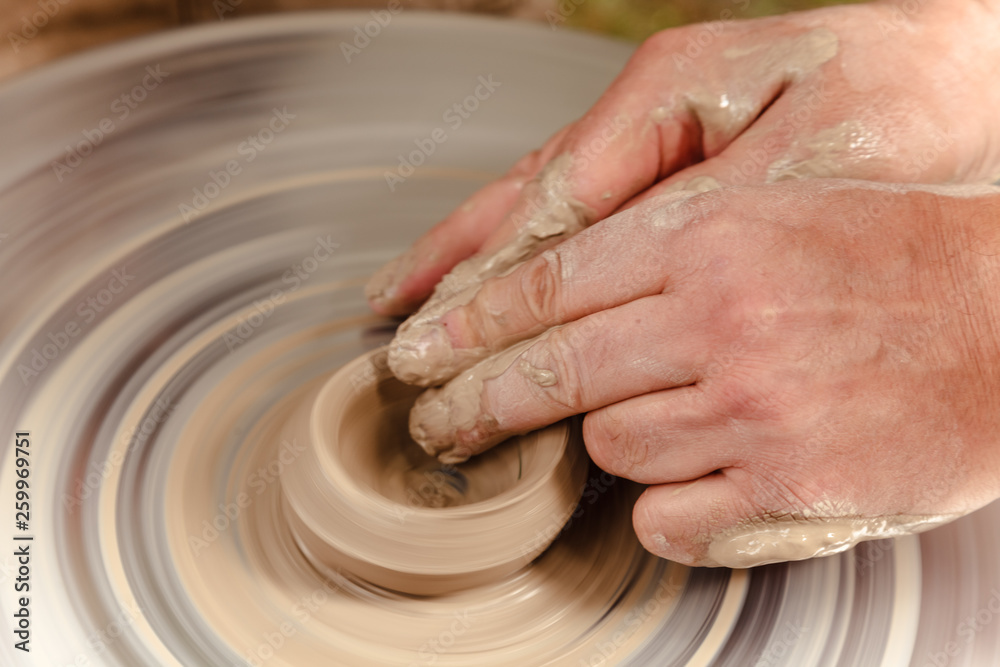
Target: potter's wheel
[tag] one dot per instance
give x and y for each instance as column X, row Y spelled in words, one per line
column 150, row 357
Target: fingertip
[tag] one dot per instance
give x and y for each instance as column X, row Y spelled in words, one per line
column 383, row 288
column 657, row 534
column 679, row 521
column 382, row 304
column 600, row 431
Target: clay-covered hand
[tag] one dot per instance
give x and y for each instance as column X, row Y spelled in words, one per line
column 792, row 367
column 890, row 92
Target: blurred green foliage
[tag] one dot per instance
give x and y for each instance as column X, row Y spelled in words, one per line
column 638, row 19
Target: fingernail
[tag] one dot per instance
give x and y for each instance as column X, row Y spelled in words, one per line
column 422, row 353
column 383, row 287
column 431, row 425
column 451, row 423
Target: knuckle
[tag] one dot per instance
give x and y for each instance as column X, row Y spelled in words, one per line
column 615, row 447
column 739, row 400
column 602, row 435
column 648, row 522
column 657, row 44
column 540, row 285
column 777, row 495
column 527, row 166
column 560, row 354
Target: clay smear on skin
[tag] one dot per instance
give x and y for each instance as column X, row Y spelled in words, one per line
column 796, row 55
column 258, row 561
column 422, row 353
column 831, row 152
column 726, row 112
column 441, row 413
column 754, row 543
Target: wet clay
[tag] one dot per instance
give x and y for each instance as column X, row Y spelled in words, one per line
column 440, row 414
column 829, row 153
column 797, row 55
column 581, row 594
column 798, row 539
column 422, row 352
column 383, row 285
column 364, row 498
column 725, row 109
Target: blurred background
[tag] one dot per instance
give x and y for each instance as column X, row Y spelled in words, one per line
column 36, row 31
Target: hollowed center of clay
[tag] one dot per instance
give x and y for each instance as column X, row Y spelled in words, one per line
column 365, row 499
column 377, row 450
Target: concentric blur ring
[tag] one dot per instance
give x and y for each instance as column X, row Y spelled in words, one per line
column 179, row 267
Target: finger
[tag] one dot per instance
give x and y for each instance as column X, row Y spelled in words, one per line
column 602, row 359
column 605, row 266
column 400, row 286
column 759, row 155
column 658, row 117
column 798, row 137
column 665, row 436
column 680, row 521
column 634, row 136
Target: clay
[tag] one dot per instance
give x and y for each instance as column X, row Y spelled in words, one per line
column 332, row 610
column 797, row 55
column 829, row 153
column 440, row 414
column 540, row 376
column 763, row 542
column 365, row 499
column 382, row 286
column 696, row 184
column 422, row 352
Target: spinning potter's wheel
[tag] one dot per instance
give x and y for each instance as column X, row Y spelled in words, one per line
column 186, row 223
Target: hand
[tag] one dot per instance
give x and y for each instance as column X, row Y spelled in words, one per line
column 791, row 368
column 879, row 92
